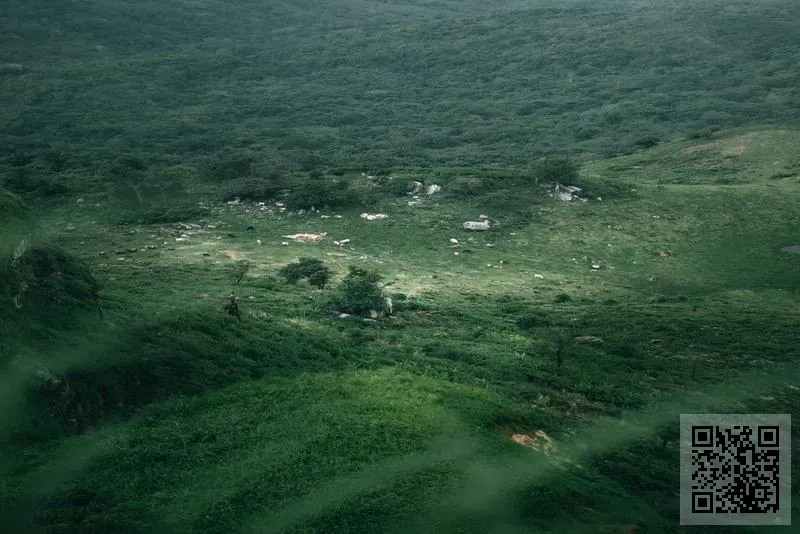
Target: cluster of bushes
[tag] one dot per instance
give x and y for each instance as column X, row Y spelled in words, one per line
column 314, row 270
column 359, row 293
column 319, row 192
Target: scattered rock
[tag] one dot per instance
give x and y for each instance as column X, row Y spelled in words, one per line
column 566, row 193
column 417, row 188
column 343, row 315
column 79, row 201
column 476, row 225
column 665, row 253
column 235, row 202
column 433, row 188
column 792, row 249
column 539, row 276
column 373, row 216
column 483, row 217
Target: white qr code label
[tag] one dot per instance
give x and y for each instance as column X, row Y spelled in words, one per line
column 736, row 469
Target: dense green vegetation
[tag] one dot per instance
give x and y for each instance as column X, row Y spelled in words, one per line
column 157, row 157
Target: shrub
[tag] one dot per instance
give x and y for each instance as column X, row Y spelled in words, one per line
column 313, row 269
column 563, row 297
column 320, row 278
column 240, row 270
column 360, row 292
column 556, row 169
column 466, row 187
column 533, row 320
column 254, row 188
column 228, row 167
column 319, row 194
column 32, row 180
column 608, row 188
column 43, row 288
column 160, row 215
column 397, row 187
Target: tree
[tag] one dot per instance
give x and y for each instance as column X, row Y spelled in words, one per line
column 360, row 292
column 314, row 270
column 134, row 183
column 305, row 268
column 320, row 278
column 555, row 169
column 240, row 270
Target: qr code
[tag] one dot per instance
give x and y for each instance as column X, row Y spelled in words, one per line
column 734, row 468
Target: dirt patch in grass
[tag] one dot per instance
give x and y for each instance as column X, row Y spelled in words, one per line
column 236, row 255
column 727, row 148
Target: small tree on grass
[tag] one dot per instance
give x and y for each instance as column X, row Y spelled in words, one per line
column 360, row 292
column 317, row 273
column 240, row 270
column 320, row 278
column 555, row 169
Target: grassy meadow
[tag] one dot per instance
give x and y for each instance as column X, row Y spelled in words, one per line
column 156, row 156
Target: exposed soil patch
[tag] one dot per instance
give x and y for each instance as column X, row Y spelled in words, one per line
column 235, row 255
column 792, row 249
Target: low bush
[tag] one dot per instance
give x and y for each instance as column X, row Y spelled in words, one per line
column 320, row 193
column 317, row 273
column 360, row 292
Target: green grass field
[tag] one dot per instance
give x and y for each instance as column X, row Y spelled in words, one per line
column 132, row 402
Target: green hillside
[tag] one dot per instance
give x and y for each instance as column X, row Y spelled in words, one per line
column 184, row 210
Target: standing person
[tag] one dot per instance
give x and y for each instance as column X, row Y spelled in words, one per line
column 233, row 307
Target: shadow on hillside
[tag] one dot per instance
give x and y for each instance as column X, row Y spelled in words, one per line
column 104, row 378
